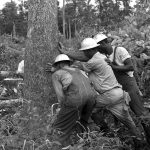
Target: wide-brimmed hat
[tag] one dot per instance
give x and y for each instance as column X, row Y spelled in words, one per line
column 99, row 37
column 61, row 57
column 88, row 43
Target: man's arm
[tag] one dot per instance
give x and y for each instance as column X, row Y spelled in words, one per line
column 58, row 88
column 128, row 66
column 76, row 55
column 123, row 56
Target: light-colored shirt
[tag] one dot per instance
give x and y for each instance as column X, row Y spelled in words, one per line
column 21, row 67
column 61, row 79
column 120, row 56
column 100, row 73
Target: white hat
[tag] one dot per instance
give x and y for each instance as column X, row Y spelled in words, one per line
column 61, row 57
column 88, row 43
column 99, row 37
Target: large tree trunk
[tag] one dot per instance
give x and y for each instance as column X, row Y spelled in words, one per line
column 41, row 47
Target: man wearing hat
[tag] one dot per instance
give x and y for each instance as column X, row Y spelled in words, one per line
column 120, row 61
column 75, row 95
column 111, row 96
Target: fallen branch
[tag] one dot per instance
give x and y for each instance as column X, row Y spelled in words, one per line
column 10, row 103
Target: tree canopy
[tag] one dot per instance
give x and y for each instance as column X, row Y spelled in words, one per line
column 80, row 15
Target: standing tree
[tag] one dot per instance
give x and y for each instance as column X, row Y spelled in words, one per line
column 9, row 13
column 64, row 22
column 41, row 48
column 14, row 18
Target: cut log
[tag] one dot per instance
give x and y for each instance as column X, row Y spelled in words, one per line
column 10, row 103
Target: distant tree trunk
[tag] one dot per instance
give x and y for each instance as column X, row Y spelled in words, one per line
column 14, row 31
column 75, row 19
column 64, row 22
column 75, row 27
column 69, row 23
column 100, row 8
column 41, row 47
column 67, row 32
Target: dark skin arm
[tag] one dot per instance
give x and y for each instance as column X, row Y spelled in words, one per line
column 128, row 66
column 76, row 55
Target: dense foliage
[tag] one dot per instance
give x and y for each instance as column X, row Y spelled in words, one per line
column 13, row 19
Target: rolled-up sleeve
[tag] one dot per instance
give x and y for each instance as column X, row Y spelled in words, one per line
column 58, row 87
column 123, row 54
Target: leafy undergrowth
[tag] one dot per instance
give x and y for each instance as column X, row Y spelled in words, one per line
column 24, row 128
column 27, row 127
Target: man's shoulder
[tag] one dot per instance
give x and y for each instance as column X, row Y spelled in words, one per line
column 96, row 58
column 58, row 72
column 122, row 49
column 99, row 55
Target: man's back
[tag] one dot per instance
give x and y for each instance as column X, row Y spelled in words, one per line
column 76, row 86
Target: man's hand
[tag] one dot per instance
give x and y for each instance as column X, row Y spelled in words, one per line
column 61, row 48
column 110, row 63
column 144, row 56
column 50, row 68
column 113, row 66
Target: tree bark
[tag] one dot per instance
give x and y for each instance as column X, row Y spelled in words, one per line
column 41, row 48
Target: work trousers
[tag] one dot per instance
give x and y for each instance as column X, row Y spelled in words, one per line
column 68, row 117
column 116, row 101
column 129, row 85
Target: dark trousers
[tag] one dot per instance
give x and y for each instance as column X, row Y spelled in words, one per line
column 67, row 118
column 129, row 85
